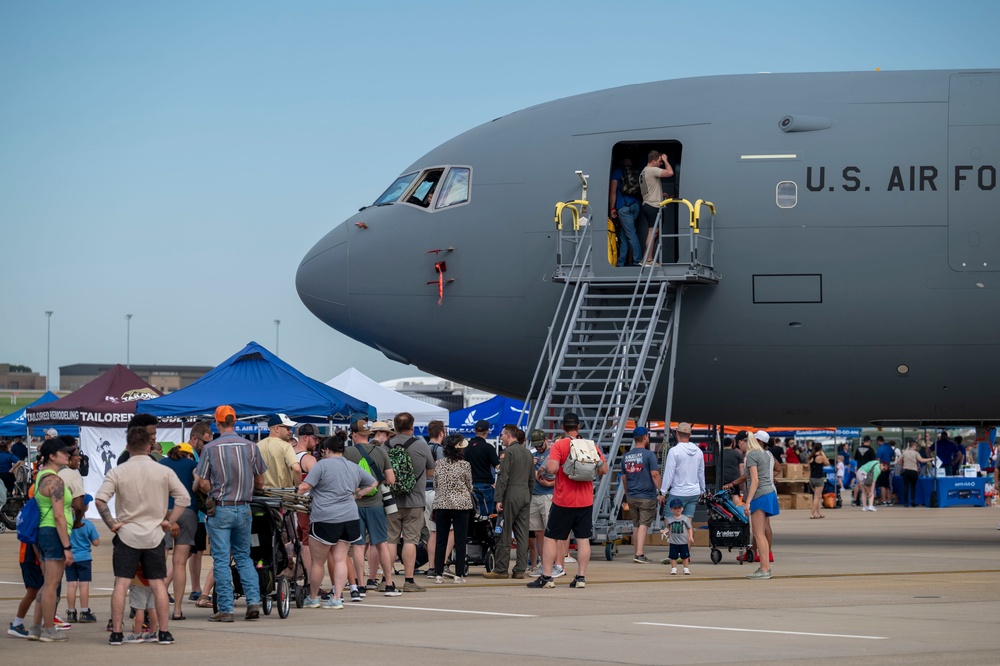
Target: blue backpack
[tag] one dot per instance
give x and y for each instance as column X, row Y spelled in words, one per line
column 28, row 519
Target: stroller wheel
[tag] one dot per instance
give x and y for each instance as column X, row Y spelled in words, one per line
column 284, row 601
column 300, row 595
column 716, row 556
column 609, row 551
column 491, row 561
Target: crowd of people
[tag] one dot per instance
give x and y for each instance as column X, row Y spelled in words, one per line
column 372, row 490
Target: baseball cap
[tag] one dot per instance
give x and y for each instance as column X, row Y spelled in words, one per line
column 571, row 420
column 280, row 419
column 538, row 435
column 225, row 414
column 360, row 427
column 639, row 432
column 684, row 427
column 741, row 435
column 52, row 432
column 482, row 425
column 184, row 447
column 762, row 436
column 308, row 429
column 676, row 503
column 87, row 499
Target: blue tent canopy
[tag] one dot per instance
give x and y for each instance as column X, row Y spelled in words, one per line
column 255, row 381
column 15, row 424
column 498, row 410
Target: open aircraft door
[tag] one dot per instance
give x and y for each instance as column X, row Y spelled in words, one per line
column 973, row 162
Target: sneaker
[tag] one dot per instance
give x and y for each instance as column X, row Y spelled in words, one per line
column 391, row 591
column 458, row 580
column 537, row 571
column 871, row 508
column 381, row 586
column 220, row 617
column 496, row 575
column 667, row 561
column 194, row 596
column 578, row 582
column 355, row 595
column 149, row 637
column 641, row 559
column 34, row 632
column 431, row 575
column 336, row 604
column 569, row 559
column 116, row 638
column 310, row 602
column 164, row 638
column 413, row 587
column 371, row 584
column 86, row 617
column 542, row 582
column 687, row 572
column 557, row 571
column 135, row 638
column 760, row 575
column 59, row 623
column 20, row 631
column 71, row 615
column 363, row 591
column 673, row 571
column 439, row 580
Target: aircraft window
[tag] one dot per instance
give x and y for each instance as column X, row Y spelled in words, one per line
column 422, row 194
column 456, row 187
column 395, row 190
column 786, row 194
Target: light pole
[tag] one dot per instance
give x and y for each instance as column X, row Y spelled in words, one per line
column 48, row 350
column 277, row 324
column 128, row 341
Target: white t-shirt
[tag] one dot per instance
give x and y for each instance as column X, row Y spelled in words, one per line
column 650, row 185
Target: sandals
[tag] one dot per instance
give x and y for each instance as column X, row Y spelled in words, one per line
column 177, row 617
column 204, row 601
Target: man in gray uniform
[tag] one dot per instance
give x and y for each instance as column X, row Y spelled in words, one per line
column 513, row 499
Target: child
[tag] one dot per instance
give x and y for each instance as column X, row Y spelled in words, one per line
column 840, row 477
column 678, row 527
column 140, row 598
column 78, row 574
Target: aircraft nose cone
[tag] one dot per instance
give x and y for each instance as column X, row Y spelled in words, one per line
column 322, row 280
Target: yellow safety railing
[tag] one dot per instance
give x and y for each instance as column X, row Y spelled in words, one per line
column 576, row 212
column 694, row 212
column 697, row 211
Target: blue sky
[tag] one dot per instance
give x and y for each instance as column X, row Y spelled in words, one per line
column 176, row 160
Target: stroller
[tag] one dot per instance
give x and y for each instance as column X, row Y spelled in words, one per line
column 481, row 541
column 728, row 526
column 274, row 545
column 17, row 496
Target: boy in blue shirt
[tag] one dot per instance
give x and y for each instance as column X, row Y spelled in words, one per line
column 78, row 574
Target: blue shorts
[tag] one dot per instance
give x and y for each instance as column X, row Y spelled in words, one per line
column 49, row 544
column 79, row 572
column 31, row 574
column 373, row 524
column 767, row 503
column 679, row 551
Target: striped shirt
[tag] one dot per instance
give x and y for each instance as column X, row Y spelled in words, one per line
column 230, row 464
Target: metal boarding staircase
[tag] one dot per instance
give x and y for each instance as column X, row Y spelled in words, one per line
column 611, row 339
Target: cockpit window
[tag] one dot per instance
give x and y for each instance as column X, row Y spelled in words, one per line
column 456, row 187
column 395, row 190
column 425, row 189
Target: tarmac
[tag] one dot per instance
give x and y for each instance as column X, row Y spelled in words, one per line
column 899, row 586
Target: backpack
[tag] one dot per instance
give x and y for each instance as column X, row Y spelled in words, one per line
column 629, row 183
column 583, row 460
column 369, row 466
column 29, row 517
column 402, row 465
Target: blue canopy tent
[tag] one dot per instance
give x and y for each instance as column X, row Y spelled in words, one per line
column 16, row 423
column 256, row 382
column 498, row 410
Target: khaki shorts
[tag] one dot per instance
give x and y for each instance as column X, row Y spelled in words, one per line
column 408, row 523
column 539, row 512
column 643, row 511
column 429, row 496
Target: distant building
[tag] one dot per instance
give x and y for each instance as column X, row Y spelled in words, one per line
column 164, row 378
column 439, row 392
column 13, row 378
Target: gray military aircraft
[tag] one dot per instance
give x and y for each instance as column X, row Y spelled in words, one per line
column 856, row 244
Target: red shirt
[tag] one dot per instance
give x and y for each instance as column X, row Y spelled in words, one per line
column 568, row 493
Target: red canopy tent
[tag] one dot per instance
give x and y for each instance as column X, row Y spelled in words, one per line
column 107, row 401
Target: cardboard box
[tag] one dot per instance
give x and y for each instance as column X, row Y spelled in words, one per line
column 794, row 471
column 802, row 501
column 784, row 501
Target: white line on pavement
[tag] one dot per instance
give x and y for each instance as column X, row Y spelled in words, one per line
column 764, row 631
column 443, row 610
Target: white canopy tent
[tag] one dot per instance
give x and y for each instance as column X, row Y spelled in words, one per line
column 387, row 402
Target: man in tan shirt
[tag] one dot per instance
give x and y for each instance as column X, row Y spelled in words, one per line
column 283, row 469
column 141, row 488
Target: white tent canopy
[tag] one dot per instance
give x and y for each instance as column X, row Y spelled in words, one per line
column 387, row 402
